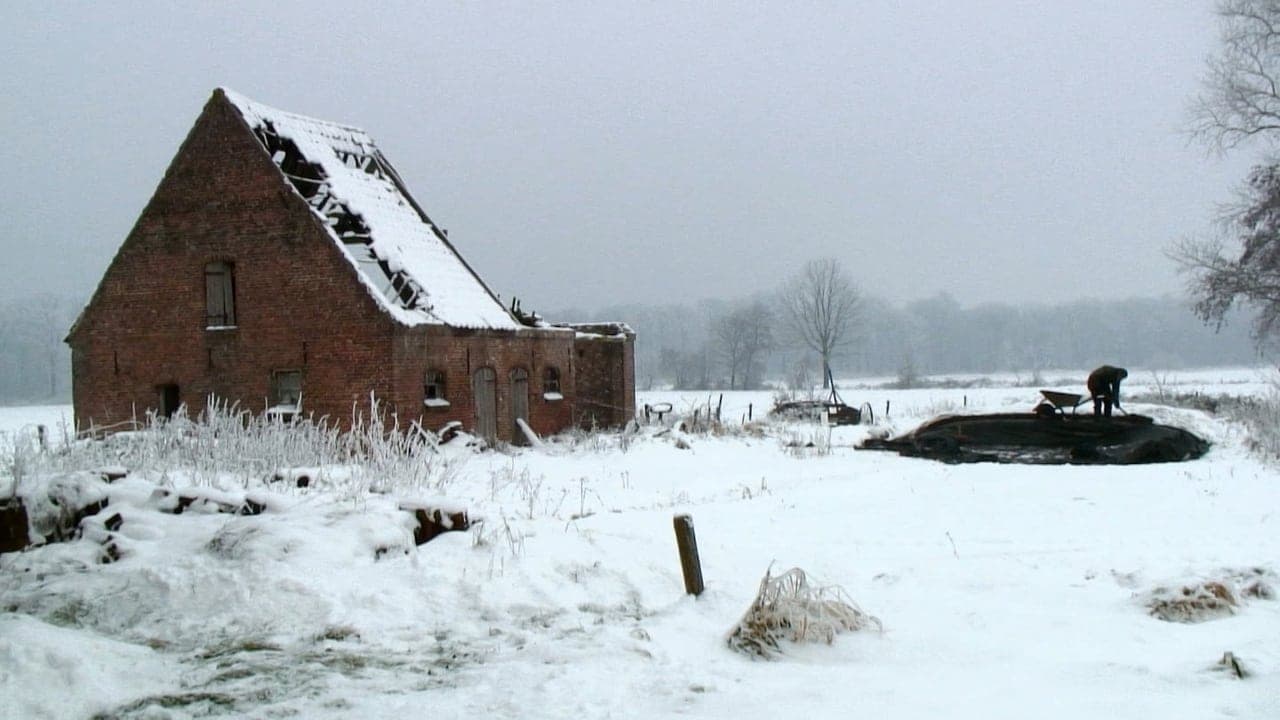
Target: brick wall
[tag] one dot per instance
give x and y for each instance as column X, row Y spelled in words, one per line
column 459, row 353
column 606, row 376
column 299, row 302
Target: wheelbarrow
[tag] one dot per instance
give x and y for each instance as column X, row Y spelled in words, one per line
column 1063, row 401
column 1060, row 402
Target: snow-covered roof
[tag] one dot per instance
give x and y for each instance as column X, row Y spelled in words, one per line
column 406, row 262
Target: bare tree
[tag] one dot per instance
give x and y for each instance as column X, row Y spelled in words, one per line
column 1241, row 97
column 760, row 343
column 1240, row 102
column 743, row 336
column 821, row 305
column 1222, row 276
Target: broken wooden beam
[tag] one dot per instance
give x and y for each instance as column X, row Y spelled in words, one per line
column 434, row 521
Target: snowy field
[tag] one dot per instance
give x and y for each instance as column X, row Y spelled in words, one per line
column 1004, row 591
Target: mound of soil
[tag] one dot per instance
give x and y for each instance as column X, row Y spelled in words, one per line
column 1046, row 440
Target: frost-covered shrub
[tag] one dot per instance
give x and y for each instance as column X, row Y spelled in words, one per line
column 1228, row 405
column 229, row 444
column 577, row 439
column 1263, row 420
column 789, row 607
column 815, row 442
column 19, row 453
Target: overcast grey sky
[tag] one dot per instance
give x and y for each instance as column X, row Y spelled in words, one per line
column 590, row 153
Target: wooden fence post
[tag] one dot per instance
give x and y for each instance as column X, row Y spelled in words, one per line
column 687, row 543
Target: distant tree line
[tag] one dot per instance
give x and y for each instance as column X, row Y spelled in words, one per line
column 748, row 342
column 701, row 346
column 35, row 365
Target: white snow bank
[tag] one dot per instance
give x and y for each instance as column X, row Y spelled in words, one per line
column 54, row 672
column 1005, row 591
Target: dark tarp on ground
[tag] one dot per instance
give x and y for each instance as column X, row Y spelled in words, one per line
column 1046, row 439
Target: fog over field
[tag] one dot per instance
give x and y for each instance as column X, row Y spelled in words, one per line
column 1004, row 184
column 585, row 155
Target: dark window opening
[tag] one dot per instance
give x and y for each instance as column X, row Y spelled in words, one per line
column 286, row 394
column 219, row 295
column 433, row 389
column 170, row 400
column 551, row 383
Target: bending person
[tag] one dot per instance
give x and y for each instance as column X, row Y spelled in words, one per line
column 1104, row 388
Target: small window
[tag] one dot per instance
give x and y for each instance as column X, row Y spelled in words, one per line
column 286, row 393
column 551, row 384
column 433, row 391
column 219, row 295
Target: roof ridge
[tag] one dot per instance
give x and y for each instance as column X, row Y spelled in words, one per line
column 244, row 102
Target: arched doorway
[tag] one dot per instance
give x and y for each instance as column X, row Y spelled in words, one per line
column 519, row 404
column 484, row 383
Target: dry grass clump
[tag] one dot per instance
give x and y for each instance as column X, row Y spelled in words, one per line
column 788, row 607
column 1258, row 589
column 1210, row 599
column 1193, row 603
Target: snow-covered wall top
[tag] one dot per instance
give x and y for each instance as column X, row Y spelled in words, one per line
column 405, row 261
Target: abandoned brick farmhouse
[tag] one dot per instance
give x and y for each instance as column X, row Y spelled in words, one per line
column 283, row 266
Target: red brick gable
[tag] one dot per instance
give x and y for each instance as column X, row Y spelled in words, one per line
column 300, row 302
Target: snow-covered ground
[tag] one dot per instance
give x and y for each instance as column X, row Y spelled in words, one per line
column 27, row 418
column 1005, row 591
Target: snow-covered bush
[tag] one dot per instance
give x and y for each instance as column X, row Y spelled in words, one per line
column 789, row 607
column 1263, row 419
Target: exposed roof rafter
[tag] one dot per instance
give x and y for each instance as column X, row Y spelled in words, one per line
column 404, row 259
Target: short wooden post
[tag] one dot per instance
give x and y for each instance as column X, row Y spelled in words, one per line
column 749, row 408
column 886, row 409
column 687, row 543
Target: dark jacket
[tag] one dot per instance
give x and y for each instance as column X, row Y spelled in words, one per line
column 1105, row 382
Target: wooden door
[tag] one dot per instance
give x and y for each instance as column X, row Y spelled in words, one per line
column 519, row 404
column 484, row 383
